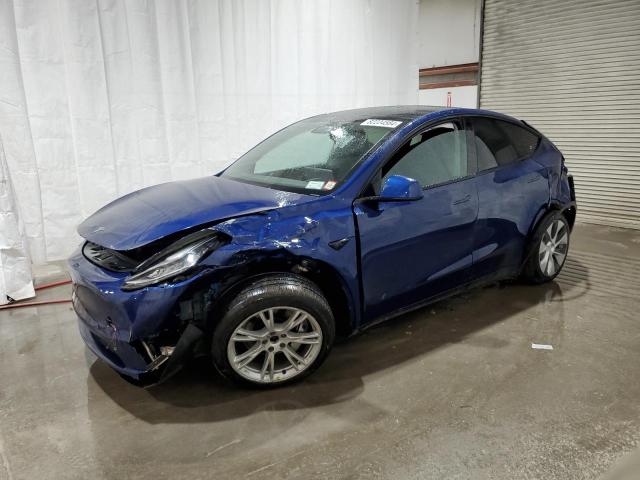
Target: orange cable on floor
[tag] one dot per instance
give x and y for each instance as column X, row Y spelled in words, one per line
column 20, row 304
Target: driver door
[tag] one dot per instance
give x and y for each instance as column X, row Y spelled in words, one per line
column 415, row 250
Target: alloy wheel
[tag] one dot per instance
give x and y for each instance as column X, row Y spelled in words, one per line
column 274, row 345
column 553, row 248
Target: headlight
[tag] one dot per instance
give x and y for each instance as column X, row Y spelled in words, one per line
column 173, row 260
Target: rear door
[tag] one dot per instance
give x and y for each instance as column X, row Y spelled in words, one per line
column 413, row 251
column 512, row 189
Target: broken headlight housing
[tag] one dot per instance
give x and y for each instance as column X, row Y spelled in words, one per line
column 177, row 259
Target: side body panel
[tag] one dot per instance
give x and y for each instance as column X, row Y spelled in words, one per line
column 412, row 251
column 559, row 189
column 296, row 235
column 512, row 198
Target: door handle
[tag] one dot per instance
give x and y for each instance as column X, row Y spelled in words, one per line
column 464, row 199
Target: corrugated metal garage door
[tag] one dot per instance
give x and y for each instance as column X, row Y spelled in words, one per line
column 572, row 70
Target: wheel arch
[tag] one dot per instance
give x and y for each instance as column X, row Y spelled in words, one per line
column 330, row 282
column 568, row 210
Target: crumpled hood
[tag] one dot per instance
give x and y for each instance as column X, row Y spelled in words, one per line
column 149, row 214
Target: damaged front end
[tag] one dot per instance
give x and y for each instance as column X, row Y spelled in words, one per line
column 145, row 307
column 165, row 361
column 144, row 316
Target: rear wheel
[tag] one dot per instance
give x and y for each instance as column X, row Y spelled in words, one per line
column 549, row 248
column 276, row 331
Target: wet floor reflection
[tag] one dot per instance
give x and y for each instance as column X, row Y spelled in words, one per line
column 603, row 275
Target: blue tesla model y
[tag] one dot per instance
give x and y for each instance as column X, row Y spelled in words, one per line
column 330, row 225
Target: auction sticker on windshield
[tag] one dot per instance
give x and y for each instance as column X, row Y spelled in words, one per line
column 374, row 122
column 315, row 184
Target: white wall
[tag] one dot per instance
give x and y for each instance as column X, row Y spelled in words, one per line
column 448, row 32
column 466, row 97
column 99, row 98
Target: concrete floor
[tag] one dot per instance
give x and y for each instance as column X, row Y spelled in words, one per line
column 451, row 391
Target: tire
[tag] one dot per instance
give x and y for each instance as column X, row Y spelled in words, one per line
column 281, row 325
column 548, row 249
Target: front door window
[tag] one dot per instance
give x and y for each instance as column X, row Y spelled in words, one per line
column 435, row 156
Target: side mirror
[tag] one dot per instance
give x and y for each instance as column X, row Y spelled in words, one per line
column 397, row 188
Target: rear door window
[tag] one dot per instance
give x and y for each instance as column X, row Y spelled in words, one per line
column 501, row 143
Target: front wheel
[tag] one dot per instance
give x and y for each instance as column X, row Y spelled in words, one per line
column 276, row 331
column 549, row 248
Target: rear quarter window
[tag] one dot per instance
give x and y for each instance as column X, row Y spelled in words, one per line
column 524, row 141
column 500, row 143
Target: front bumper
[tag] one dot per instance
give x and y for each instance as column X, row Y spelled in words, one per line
column 121, row 327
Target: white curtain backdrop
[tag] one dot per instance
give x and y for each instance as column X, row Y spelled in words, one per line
column 99, row 98
column 15, row 266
